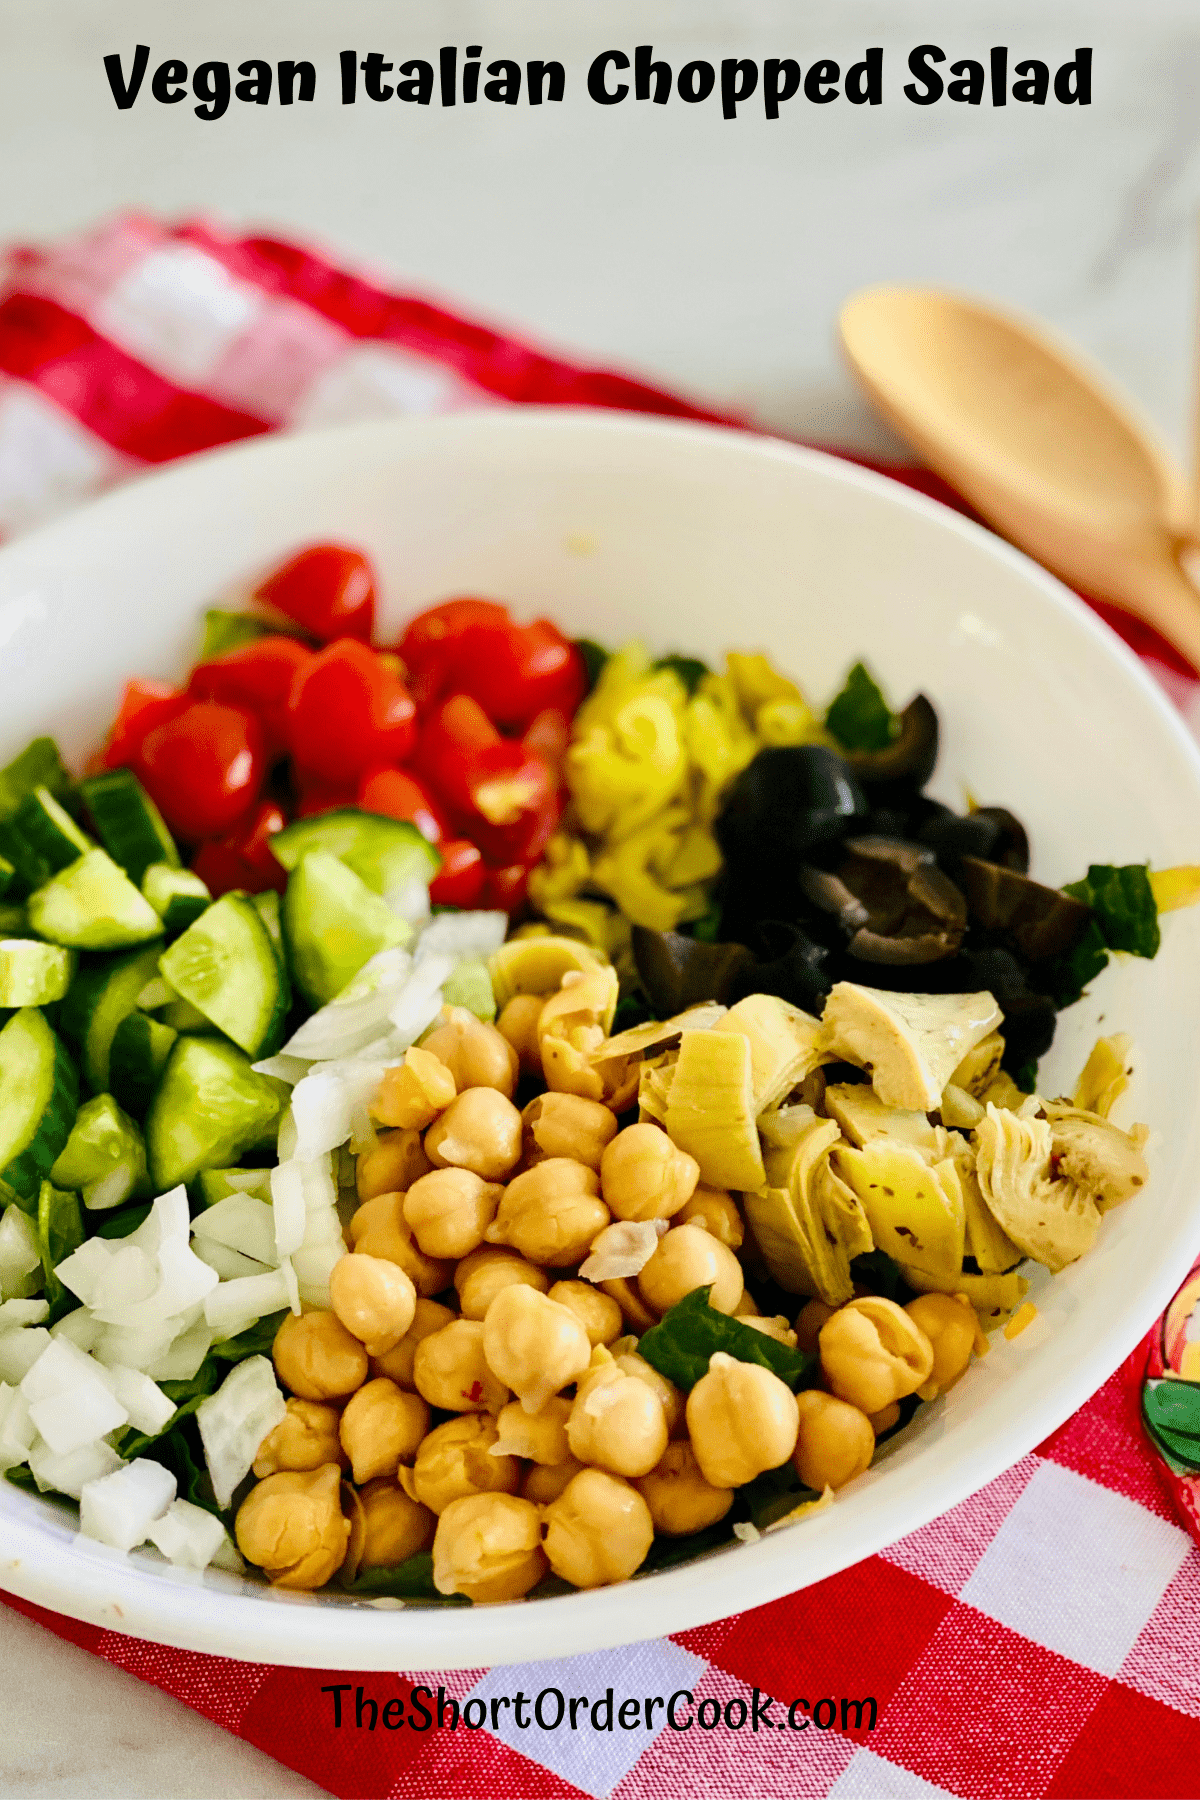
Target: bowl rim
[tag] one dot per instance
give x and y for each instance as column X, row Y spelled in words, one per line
column 158, row 1603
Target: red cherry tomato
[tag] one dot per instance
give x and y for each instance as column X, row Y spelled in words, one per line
column 514, row 671
column 504, row 889
column 498, row 793
column 432, row 640
column 322, row 796
column 243, row 859
column 460, row 879
column 329, row 589
column 347, row 713
column 548, row 737
column 144, row 704
column 258, row 677
column 203, row 768
column 398, row 796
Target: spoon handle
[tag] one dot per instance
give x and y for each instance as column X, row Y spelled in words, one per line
column 1158, row 591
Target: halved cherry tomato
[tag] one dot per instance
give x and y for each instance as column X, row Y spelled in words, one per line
column 258, row 677
column 243, row 859
column 548, row 737
column 347, row 713
column 398, row 796
column 504, row 889
column 144, row 704
column 460, row 879
column 203, row 768
column 431, row 641
column 514, row 671
column 313, row 796
column 329, row 589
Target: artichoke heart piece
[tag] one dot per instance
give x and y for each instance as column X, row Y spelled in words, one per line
column 536, row 965
column 994, row 1297
column 992, row 1248
column 657, row 1034
column 916, row 1211
column 863, row 1117
column 655, row 1075
column 1105, row 1075
column 910, row 1043
column 1055, row 1222
column 785, row 1045
column 960, row 1111
column 980, row 1065
column 710, row 1109
column 796, row 1228
column 1096, row 1155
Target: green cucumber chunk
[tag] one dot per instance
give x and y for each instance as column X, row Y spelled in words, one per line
column 105, row 990
column 92, row 905
column 186, row 1019
column 268, row 909
column 333, row 924
column 29, row 866
column 128, row 823
column 105, row 1158
column 14, row 922
column 33, row 974
column 60, row 1230
column 226, row 967
column 226, row 631
column 50, row 829
column 139, row 1053
column 469, row 984
column 39, row 765
column 39, row 1092
column 177, row 896
column 210, row 1108
column 218, row 1184
column 382, row 852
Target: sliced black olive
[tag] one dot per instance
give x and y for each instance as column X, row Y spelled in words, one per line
column 786, row 803
column 998, row 971
column 1012, row 848
column 829, row 895
column 990, row 833
column 915, row 914
column 908, row 761
column 1041, row 921
column 1028, row 1028
column 802, row 972
column 922, row 947
column 678, row 971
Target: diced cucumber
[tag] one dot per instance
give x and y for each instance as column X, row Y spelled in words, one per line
column 13, row 922
column 226, row 631
column 267, row 906
column 333, row 924
column 209, row 1110
column 225, row 965
column 50, row 829
column 33, row 974
column 186, row 1019
column 105, row 991
column 39, row 1093
column 60, row 1230
column 140, row 1049
column 470, row 985
column 92, row 905
column 383, row 852
column 128, row 823
column 177, row 896
column 105, row 1158
column 219, row 1184
column 30, row 868
column 157, row 993
column 39, row 765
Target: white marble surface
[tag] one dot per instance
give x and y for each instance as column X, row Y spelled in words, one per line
column 708, row 254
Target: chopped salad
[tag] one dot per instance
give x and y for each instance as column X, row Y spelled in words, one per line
column 489, row 1114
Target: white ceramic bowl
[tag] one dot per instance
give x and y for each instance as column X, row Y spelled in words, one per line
column 697, row 540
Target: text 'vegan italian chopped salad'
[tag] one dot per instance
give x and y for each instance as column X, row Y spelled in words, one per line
column 486, row 1113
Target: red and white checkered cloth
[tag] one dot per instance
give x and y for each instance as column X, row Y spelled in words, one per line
column 1043, row 1638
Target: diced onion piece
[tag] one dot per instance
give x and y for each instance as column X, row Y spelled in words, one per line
column 421, row 1001
column 79, row 1328
column 183, row 1357
column 187, row 1535
column 128, row 1278
column 355, row 1016
column 293, row 1286
column 459, row 934
column 234, row 1421
column 20, row 1350
column 23, row 1312
column 322, row 1226
column 71, row 1473
column 241, row 1222
column 325, row 1103
column 20, row 1254
column 289, row 1069
column 86, row 1268
column 229, row 1264
column 409, row 900
column 298, row 1188
column 17, row 1430
column 622, row 1251
column 148, row 1407
column 71, row 1398
column 249, row 1298
column 313, row 1265
column 120, row 1508
column 138, row 1346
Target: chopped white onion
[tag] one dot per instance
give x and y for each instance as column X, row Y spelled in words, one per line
column 241, row 1223
column 293, row 1286
column 187, row 1535
column 622, row 1251
column 234, row 1421
column 356, row 1015
column 459, row 934
column 183, row 1357
column 229, row 1264
column 128, row 1277
column 71, row 1473
column 148, row 1407
column 20, row 1254
column 285, row 1142
column 281, row 1067
column 20, row 1350
column 409, row 900
column 17, row 1430
column 298, row 1189
column 247, row 1299
column 314, row 1265
column 86, row 1267
column 322, row 1226
column 71, row 1398
column 120, row 1508
column 79, row 1328
column 138, row 1346
column 110, row 1190
column 324, row 1105
column 23, row 1312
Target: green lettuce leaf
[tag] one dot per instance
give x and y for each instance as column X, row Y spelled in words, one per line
column 859, row 718
column 1122, row 903
column 690, row 670
column 410, row 1580
column 60, row 1230
column 684, row 1339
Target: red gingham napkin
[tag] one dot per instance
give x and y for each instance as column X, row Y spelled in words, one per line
column 1040, row 1639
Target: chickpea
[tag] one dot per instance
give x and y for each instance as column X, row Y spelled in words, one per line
column 316, row 1358
column 292, row 1526
column 392, row 1166
column 679, row 1498
column 884, row 1420
column 597, row 1531
column 716, row 1212
column 836, row 1441
column 872, row 1353
column 375, row 1300
column 451, row 1371
column 382, row 1427
column 356, row 1518
column 551, row 1213
column 599, row 1315
column 449, row 1210
column 455, row 1460
column 567, row 1125
column 489, row 1547
column 671, row 1399
column 480, row 1131
column 397, row 1364
column 533, row 1345
column 747, row 1307
column 544, row 1482
column 414, row 1092
column 809, row 1321
column 949, row 1322
column 476, row 1054
column 634, row 1311
column 519, row 1024
column 643, row 1175
column 480, row 1276
column 688, row 1258
column 741, row 1420
column 617, row 1422
column 777, row 1328
column 539, row 1436
column 380, row 1229
column 395, row 1526
column 304, row 1438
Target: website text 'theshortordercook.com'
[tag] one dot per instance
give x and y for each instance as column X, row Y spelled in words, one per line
column 550, row 1709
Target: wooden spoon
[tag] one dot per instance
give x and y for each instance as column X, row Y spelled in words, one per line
column 1026, row 432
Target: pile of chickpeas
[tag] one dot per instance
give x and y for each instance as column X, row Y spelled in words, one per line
column 513, row 1427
